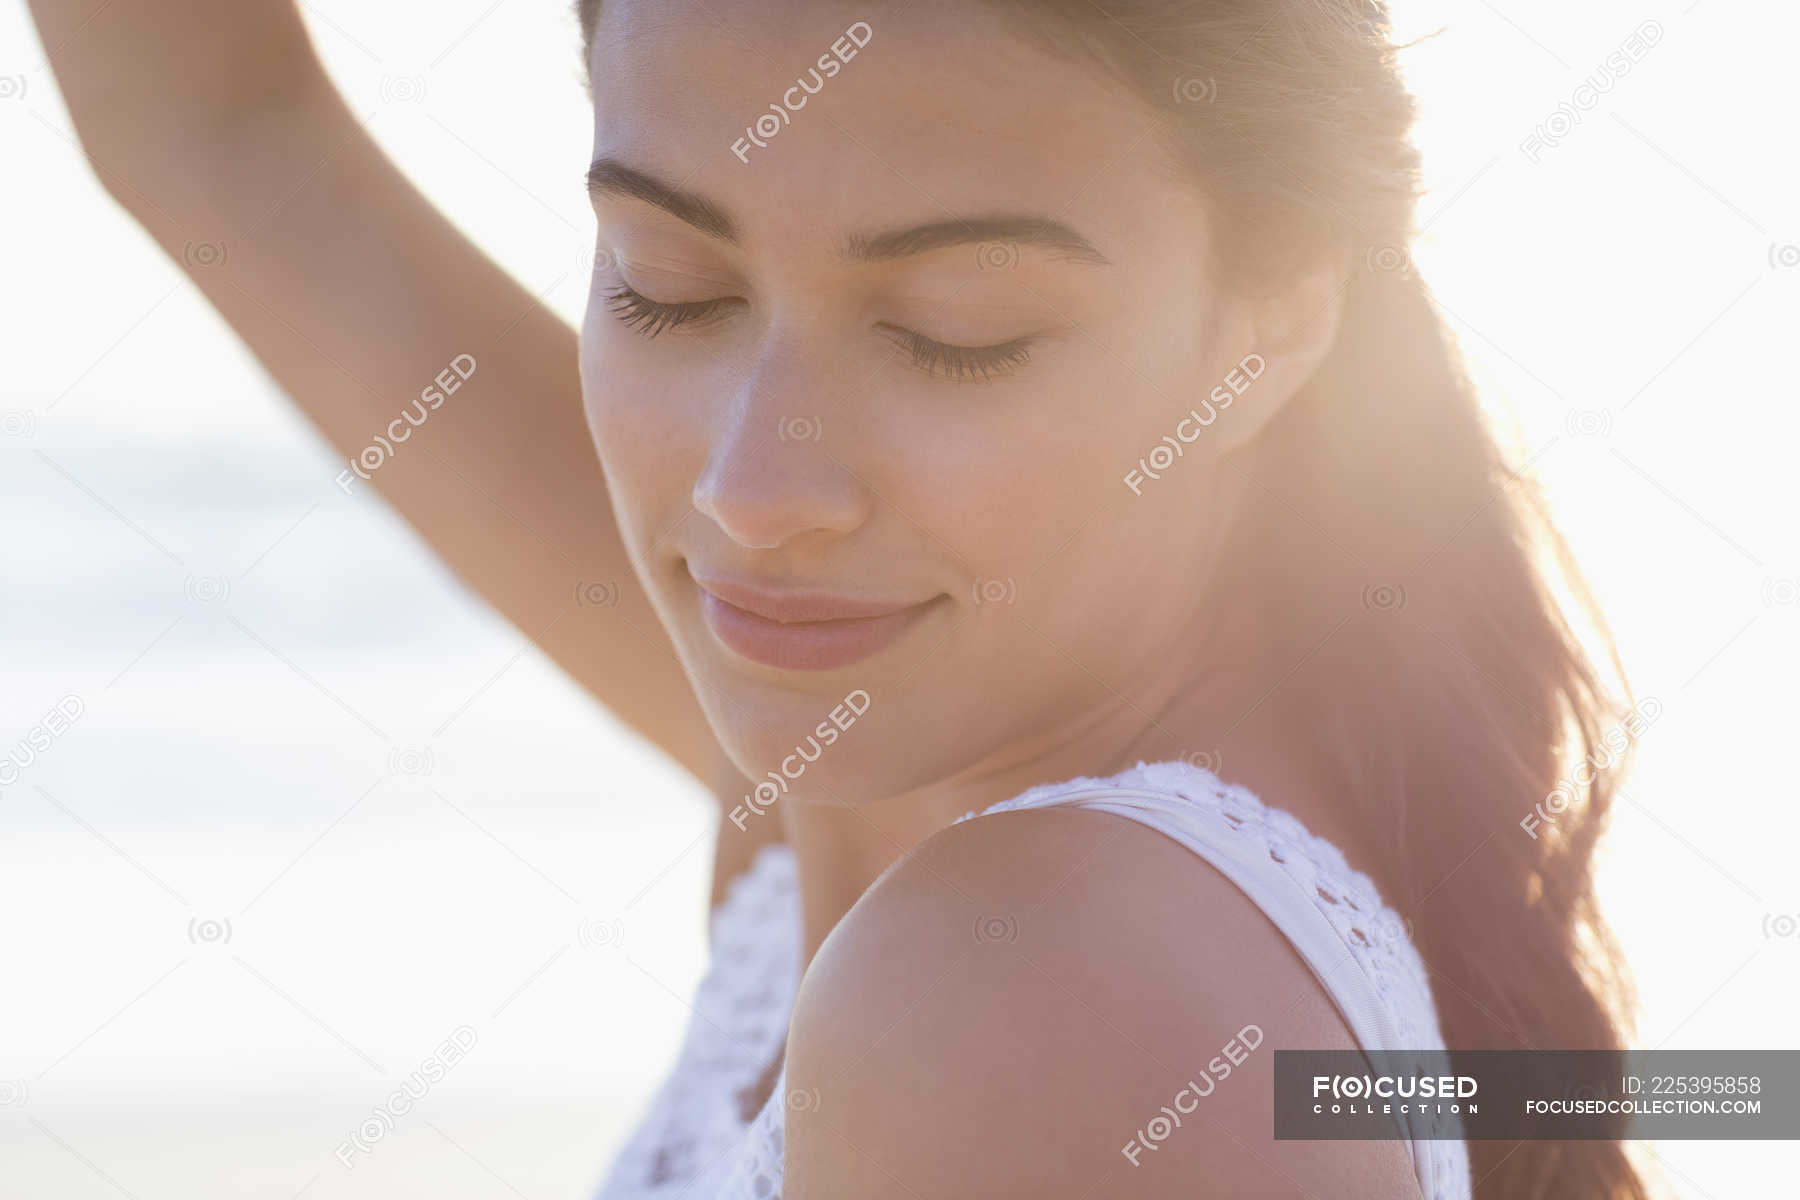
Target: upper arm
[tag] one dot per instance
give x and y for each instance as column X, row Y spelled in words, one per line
column 356, row 294
column 1006, row 1010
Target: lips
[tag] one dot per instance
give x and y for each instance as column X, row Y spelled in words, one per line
column 802, row 630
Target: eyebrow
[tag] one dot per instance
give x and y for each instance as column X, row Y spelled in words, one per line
column 610, row 177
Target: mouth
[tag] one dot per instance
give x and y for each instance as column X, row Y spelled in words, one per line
column 802, row 630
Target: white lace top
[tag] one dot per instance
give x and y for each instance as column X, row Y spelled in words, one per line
column 694, row 1143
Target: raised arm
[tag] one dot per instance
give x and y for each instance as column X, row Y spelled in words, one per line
column 213, row 123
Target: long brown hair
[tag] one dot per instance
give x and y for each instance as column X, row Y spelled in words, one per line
column 1456, row 709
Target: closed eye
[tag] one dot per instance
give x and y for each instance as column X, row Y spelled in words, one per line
column 650, row 317
column 968, row 363
column 965, row 363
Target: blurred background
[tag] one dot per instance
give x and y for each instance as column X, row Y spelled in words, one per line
column 317, row 808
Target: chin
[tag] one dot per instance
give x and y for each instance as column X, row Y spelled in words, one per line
column 838, row 753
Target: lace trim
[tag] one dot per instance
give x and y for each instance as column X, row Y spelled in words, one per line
column 741, row 1012
column 1347, row 897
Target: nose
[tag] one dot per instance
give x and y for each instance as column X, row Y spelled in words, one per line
column 774, row 472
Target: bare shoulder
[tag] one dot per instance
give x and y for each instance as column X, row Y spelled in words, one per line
column 1009, row 1007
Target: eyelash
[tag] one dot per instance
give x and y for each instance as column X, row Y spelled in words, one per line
column 650, row 317
column 967, row 363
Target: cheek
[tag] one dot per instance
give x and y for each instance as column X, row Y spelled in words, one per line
column 1012, row 481
column 1104, row 576
column 643, row 424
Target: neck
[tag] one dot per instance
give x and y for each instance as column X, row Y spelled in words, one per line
column 840, row 849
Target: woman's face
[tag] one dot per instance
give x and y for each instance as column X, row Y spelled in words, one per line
column 918, row 328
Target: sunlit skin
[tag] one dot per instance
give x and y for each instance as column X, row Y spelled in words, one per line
column 877, row 391
column 1079, row 655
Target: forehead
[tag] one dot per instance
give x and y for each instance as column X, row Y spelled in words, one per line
column 925, row 109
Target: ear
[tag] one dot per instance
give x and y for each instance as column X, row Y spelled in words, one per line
column 1290, row 332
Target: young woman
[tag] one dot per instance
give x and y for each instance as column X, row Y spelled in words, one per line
column 1036, row 494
